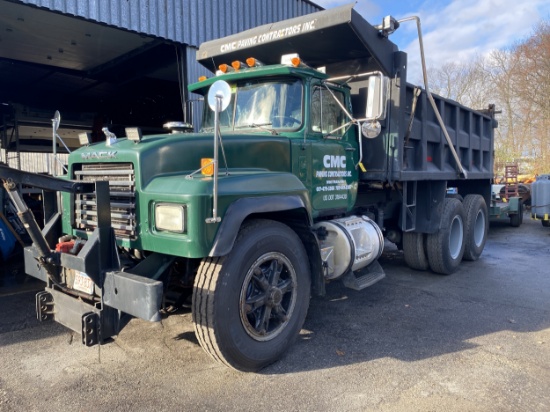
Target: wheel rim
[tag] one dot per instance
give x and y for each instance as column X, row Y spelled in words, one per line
column 268, row 296
column 455, row 237
column 479, row 228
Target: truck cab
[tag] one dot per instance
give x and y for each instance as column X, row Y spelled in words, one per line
column 295, row 103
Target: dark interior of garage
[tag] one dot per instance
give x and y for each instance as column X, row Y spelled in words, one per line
column 93, row 74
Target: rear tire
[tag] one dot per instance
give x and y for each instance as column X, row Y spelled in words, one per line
column 249, row 306
column 414, row 251
column 455, row 196
column 476, row 227
column 446, row 247
column 546, row 223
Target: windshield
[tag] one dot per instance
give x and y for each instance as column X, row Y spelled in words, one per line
column 274, row 104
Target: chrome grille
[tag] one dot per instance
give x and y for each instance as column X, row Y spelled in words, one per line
column 122, row 189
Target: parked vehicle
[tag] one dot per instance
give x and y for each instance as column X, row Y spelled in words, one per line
column 298, row 174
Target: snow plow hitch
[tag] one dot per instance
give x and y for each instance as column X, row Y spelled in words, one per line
column 86, row 290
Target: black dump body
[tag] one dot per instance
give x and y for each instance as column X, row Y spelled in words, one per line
column 421, row 152
column 346, row 44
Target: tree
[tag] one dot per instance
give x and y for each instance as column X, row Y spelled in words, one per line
column 466, row 83
column 517, row 81
column 533, row 89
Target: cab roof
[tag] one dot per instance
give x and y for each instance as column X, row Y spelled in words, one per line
column 255, row 72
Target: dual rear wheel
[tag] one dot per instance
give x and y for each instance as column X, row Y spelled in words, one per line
column 462, row 235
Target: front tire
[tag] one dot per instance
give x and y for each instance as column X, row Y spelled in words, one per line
column 249, row 306
column 446, row 247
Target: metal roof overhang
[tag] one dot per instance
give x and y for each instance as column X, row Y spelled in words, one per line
column 339, row 39
column 50, row 60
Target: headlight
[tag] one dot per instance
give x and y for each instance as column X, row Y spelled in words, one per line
column 170, row 218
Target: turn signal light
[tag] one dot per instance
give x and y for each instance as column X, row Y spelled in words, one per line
column 207, row 166
column 202, row 78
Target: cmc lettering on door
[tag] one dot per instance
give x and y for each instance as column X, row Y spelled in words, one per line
column 334, row 161
column 334, row 172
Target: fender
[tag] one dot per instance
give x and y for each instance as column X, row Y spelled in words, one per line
column 240, row 209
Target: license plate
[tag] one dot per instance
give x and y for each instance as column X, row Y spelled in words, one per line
column 83, row 283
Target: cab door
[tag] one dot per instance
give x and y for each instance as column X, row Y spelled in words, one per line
column 334, row 152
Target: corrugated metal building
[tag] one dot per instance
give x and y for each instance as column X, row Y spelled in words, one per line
column 111, row 62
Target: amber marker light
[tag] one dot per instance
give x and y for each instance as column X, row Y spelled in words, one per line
column 253, row 62
column 237, row 65
column 292, row 59
column 224, row 68
column 207, row 166
column 202, row 78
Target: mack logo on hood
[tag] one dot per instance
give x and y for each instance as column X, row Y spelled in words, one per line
column 111, row 154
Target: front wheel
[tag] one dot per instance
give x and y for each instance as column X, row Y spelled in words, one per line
column 249, row 306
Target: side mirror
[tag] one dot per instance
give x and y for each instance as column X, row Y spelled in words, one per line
column 377, row 101
column 377, row 97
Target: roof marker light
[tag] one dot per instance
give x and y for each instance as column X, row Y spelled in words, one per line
column 253, row 62
column 293, row 59
column 225, row 68
column 286, row 59
column 237, row 65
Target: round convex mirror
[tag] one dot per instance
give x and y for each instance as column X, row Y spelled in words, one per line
column 56, row 120
column 219, row 89
column 371, row 129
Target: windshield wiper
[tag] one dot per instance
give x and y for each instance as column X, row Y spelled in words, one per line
column 260, row 126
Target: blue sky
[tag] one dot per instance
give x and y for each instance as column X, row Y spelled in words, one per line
column 453, row 30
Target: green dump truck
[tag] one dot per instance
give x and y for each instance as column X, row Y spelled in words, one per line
column 316, row 151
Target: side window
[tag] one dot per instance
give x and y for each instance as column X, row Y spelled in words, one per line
column 326, row 114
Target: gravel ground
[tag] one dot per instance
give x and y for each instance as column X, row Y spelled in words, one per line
column 478, row 340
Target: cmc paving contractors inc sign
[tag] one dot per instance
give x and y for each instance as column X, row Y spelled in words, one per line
column 269, row 36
